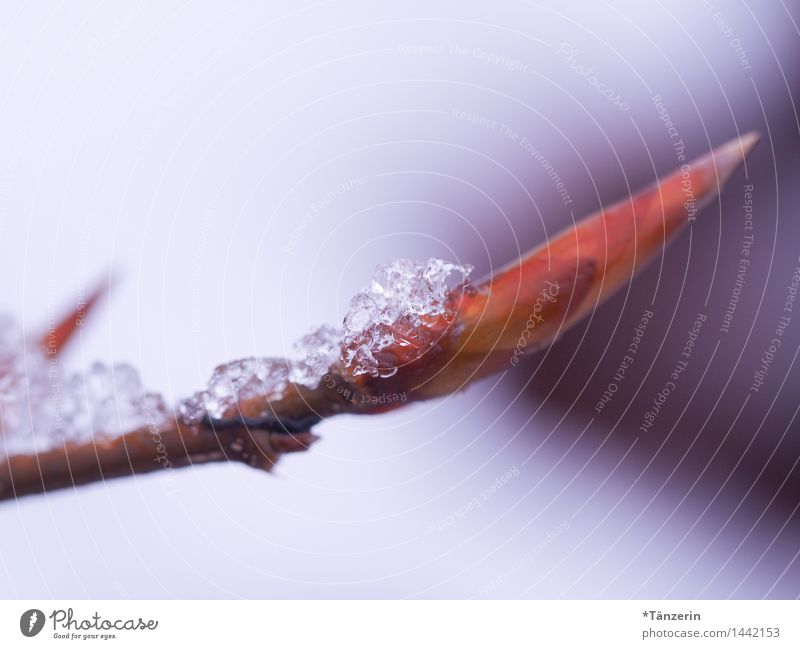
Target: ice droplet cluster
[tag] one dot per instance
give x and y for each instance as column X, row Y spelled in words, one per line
column 41, row 406
column 267, row 378
column 404, row 295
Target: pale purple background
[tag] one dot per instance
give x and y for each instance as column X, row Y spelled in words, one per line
column 187, row 146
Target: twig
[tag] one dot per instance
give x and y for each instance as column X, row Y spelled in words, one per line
column 144, row 451
column 524, row 306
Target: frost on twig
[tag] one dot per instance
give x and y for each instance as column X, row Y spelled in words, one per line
column 420, row 329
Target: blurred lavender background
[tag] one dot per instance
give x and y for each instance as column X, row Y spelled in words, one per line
column 244, row 168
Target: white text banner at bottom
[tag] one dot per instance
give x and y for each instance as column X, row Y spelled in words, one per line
column 386, row 623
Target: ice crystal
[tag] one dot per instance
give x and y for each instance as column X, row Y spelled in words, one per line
column 322, row 348
column 264, row 378
column 404, row 299
column 233, row 382
column 41, row 406
column 109, row 400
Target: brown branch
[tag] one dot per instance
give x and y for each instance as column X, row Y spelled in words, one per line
column 541, row 295
column 143, row 451
column 255, row 440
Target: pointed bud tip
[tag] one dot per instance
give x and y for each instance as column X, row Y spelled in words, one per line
column 728, row 157
column 749, row 140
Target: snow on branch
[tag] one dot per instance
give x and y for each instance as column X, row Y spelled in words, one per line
column 420, row 330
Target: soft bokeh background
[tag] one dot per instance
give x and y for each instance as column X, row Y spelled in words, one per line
column 243, row 166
